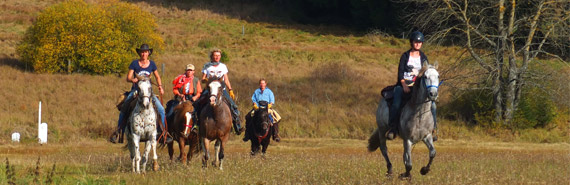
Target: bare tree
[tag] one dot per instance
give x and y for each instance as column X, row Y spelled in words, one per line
column 502, row 36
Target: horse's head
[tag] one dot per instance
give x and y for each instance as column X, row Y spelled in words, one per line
column 431, row 80
column 261, row 117
column 215, row 91
column 145, row 90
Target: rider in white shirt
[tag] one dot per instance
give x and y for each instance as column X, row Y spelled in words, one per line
column 215, row 68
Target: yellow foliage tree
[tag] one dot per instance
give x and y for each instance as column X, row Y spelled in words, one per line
column 95, row 38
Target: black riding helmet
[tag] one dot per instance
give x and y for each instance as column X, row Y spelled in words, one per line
column 416, row 36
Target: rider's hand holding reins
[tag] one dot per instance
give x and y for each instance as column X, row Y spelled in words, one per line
column 232, row 94
column 405, row 86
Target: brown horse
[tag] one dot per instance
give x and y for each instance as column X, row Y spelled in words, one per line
column 215, row 123
column 178, row 129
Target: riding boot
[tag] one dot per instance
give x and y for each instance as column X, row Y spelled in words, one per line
column 394, row 113
column 194, row 122
column 236, row 122
column 247, row 127
column 276, row 132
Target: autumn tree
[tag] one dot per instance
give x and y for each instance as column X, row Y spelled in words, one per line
column 502, row 36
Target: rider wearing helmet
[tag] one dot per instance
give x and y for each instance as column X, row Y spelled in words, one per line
column 410, row 64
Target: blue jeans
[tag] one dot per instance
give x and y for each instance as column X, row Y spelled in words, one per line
column 395, row 108
column 156, row 102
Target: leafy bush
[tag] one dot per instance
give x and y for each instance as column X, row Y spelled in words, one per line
column 75, row 36
column 535, row 109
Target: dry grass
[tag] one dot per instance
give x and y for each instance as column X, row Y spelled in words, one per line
column 327, row 82
column 301, row 161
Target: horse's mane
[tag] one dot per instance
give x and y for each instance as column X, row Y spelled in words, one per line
column 184, row 107
column 418, row 84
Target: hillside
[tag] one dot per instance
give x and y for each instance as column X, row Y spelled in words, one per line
column 327, row 82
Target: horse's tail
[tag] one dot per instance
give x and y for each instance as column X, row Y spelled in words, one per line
column 374, row 141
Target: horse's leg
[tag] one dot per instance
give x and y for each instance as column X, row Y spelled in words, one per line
column 223, row 143
column 264, row 145
column 154, row 156
column 384, row 150
column 407, row 159
column 217, row 149
column 181, row 145
column 205, row 146
column 137, row 158
column 147, row 148
column 429, row 143
column 171, row 150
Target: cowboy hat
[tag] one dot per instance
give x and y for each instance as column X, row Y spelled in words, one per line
column 144, row 47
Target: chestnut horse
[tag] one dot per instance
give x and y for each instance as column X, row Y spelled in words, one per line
column 261, row 129
column 215, row 123
column 179, row 128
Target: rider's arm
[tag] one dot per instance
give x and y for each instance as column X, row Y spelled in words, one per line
column 155, row 72
column 198, row 92
column 254, row 98
column 227, row 80
column 271, row 97
column 130, row 76
column 203, row 77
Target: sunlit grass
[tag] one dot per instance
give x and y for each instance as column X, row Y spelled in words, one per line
column 300, row 161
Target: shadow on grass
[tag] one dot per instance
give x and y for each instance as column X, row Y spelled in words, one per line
column 14, row 63
column 281, row 14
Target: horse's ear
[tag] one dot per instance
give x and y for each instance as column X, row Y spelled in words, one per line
column 435, row 64
column 140, row 78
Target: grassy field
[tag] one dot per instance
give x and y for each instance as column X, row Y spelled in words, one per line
column 296, row 161
column 327, row 84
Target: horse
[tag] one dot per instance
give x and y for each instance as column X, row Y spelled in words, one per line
column 215, row 123
column 416, row 121
column 180, row 131
column 142, row 125
column 262, row 129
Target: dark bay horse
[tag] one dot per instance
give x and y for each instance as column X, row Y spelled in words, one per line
column 142, row 126
column 215, row 123
column 416, row 121
column 262, row 129
column 179, row 128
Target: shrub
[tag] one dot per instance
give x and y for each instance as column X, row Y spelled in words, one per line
column 535, row 109
column 75, row 36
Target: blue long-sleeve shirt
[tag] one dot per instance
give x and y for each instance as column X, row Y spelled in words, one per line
column 265, row 95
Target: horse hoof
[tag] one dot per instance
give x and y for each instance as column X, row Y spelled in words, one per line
column 424, row 170
column 406, row 176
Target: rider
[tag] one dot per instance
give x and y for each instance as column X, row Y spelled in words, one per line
column 215, row 68
column 142, row 67
column 410, row 64
column 263, row 94
column 185, row 88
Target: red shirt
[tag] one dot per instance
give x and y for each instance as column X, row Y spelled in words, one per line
column 185, row 83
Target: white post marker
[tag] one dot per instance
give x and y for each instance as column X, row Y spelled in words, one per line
column 42, row 127
column 16, row 137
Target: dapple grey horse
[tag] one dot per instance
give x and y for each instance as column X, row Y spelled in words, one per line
column 142, row 126
column 416, row 121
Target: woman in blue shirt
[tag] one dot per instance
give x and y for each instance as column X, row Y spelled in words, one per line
column 142, row 67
